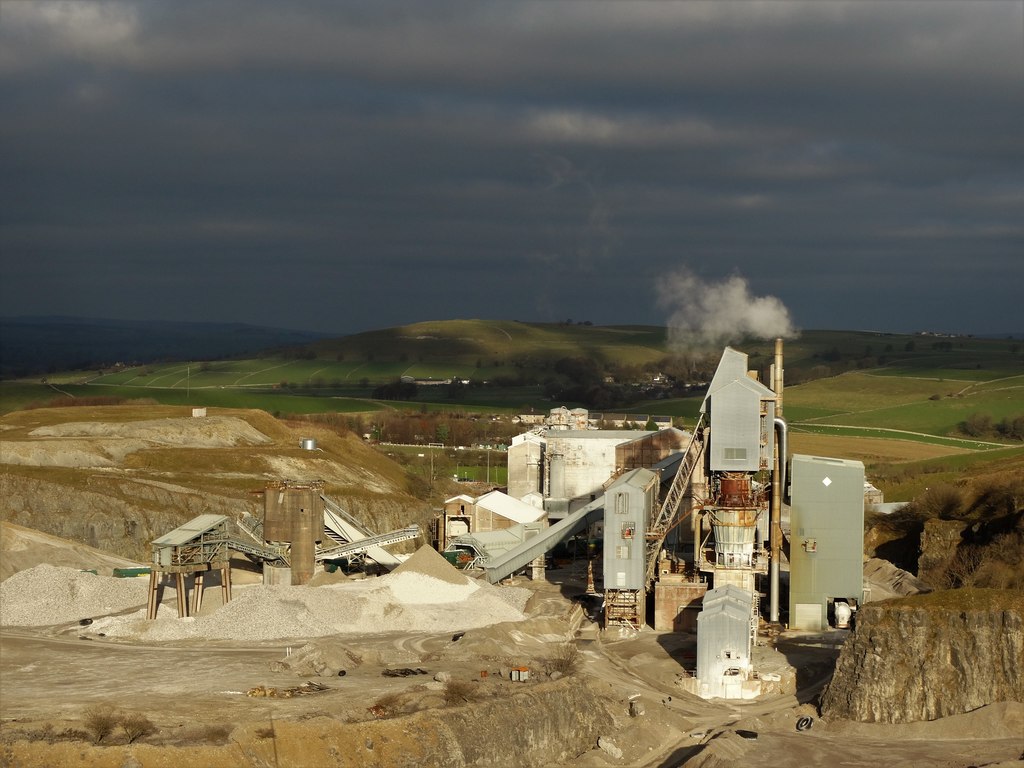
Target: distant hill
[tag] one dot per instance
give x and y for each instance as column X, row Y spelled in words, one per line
column 531, row 352
column 508, row 342
column 470, row 362
column 31, row 345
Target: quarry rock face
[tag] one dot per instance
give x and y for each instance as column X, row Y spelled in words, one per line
column 115, row 514
column 906, row 663
column 939, row 541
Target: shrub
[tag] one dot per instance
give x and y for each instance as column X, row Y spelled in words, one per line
column 136, row 726
column 942, row 501
column 976, row 425
column 564, row 661
column 386, row 706
column 100, row 721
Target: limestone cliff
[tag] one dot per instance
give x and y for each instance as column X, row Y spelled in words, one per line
column 939, row 542
column 114, row 513
column 930, row 656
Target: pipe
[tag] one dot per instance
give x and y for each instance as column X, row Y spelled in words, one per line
column 775, row 527
column 778, row 484
column 777, row 374
column 782, row 434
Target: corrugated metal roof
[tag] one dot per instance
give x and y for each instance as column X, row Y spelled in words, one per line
column 190, row 530
column 729, row 593
column 639, row 478
column 506, row 506
column 732, row 368
column 683, row 435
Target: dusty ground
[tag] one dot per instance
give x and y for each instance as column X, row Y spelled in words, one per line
column 196, row 694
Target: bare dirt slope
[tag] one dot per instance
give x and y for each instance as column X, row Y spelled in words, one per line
column 117, row 477
column 22, row 548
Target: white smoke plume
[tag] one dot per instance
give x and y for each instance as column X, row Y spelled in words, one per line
column 705, row 315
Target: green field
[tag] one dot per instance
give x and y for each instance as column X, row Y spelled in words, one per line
column 837, row 382
column 934, row 407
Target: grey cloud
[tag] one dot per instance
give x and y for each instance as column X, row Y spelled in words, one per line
column 529, row 160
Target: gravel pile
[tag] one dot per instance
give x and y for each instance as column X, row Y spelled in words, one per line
column 48, row 594
column 886, row 580
column 425, row 594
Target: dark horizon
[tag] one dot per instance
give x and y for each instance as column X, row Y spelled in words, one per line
column 313, row 333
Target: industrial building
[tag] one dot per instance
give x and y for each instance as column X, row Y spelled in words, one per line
column 691, row 525
column 565, row 467
column 299, row 529
column 826, row 541
column 729, row 480
column 493, row 511
column 725, row 635
column 629, row 502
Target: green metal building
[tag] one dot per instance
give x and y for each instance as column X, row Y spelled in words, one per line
column 826, row 539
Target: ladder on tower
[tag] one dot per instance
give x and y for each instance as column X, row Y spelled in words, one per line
column 669, row 509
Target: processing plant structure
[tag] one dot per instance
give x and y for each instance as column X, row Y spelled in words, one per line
column 691, row 523
column 300, row 528
column 696, row 531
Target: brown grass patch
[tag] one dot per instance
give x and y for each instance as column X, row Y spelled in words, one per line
column 870, row 450
column 967, row 599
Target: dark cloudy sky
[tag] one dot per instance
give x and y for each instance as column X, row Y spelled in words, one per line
column 341, row 166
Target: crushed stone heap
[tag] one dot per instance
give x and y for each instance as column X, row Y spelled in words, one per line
column 425, row 594
column 49, row 594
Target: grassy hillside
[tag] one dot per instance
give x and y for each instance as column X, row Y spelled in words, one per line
column 511, row 353
column 887, row 399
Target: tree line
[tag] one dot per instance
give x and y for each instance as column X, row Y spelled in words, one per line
column 981, row 425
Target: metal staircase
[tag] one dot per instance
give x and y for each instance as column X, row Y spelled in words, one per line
column 669, row 510
column 341, row 528
column 264, row 552
column 252, row 526
column 348, row 548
